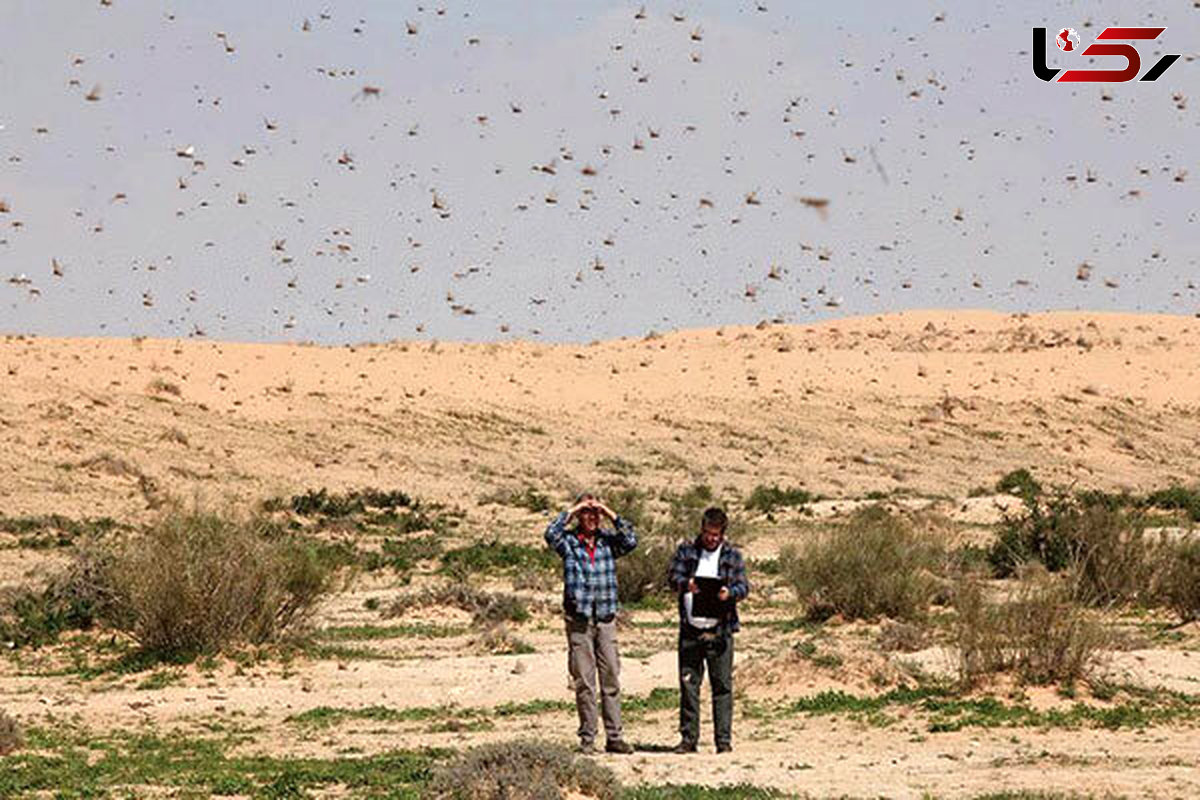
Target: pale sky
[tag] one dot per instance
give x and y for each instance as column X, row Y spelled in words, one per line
column 954, row 177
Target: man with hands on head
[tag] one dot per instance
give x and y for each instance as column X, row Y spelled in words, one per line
column 589, row 553
column 707, row 640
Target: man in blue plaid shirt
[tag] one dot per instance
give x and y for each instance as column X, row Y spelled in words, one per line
column 707, row 640
column 589, row 555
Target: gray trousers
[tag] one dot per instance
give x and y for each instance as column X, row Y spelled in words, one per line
column 592, row 648
column 697, row 650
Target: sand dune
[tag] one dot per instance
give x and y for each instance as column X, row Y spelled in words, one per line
column 927, row 402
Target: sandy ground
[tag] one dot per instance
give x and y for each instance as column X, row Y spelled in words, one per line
column 926, row 406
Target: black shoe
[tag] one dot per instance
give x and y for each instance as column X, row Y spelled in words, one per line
column 724, row 748
column 684, row 747
column 618, row 746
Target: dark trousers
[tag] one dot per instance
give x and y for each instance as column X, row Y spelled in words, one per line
column 698, row 648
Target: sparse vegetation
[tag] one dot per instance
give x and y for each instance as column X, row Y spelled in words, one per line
column 872, row 564
column 521, row 770
column 1179, row 581
column 494, row 556
column 484, row 606
column 1041, row 633
column 527, row 498
column 768, row 498
column 1021, row 483
column 10, row 734
column 198, row 581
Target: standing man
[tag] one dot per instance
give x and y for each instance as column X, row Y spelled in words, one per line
column 589, row 555
column 707, row 640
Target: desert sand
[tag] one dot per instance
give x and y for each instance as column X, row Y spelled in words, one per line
column 924, row 407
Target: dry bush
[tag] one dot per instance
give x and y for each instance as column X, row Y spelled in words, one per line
column 10, row 734
column 903, row 637
column 1040, row 633
column 522, row 770
column 498, row 640
column 1179, row 581
column 485, row 607
column 872, row 564
column 198, row 581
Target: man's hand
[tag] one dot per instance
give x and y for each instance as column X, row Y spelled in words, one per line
column 723, row 595
column 605, row 510
column 692, row 587
column 575, row 509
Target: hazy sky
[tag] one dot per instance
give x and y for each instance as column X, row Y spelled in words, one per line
column 954, row 177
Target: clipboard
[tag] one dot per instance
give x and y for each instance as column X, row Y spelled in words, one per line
column 706, row 602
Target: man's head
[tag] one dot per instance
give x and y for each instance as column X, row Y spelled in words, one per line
column 712, row 528
column 588, row 514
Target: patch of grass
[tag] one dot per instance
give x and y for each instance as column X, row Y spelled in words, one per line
column 769, row 498
column 161, row 680
column 414, row 630
column 402, row 555
column 521, row 769
column 492, row 557
column 55, row 530
column 333, row 504
column 527, row 498
column 93, row 765
column 870, row 565
column 615, row 465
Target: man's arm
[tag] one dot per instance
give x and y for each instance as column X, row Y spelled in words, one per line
column 677, row 572
column 623, row 539
column 556, row 533
column 739, row 585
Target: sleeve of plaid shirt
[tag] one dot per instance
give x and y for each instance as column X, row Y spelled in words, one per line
column 556, row 534
column 739, row 585
column 623, row 539
column 677, row 574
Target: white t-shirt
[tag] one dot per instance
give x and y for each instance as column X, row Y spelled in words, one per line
column 707, row 568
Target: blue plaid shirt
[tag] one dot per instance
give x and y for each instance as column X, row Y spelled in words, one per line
column 731, row 569
column 590, row 587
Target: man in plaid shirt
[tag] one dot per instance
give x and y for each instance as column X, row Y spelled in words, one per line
column 707, row 640
column 589, row 555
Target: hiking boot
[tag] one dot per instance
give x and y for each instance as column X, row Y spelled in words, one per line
column 586, row 749
column 684, row 747
column 724, row 748
column 618, row 746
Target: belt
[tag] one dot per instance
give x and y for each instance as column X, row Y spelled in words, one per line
column 703, row 634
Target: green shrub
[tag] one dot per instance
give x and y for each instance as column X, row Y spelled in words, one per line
column 1021, row 483
column 1041, row 633
column 197, row 581
column 528, row 498
column 10, row 734
column 323, row 502
column 870, row 565
column 1100, row 537
column 768, row 498
column 1177, row 497
column 522, row 770
column 74, row 599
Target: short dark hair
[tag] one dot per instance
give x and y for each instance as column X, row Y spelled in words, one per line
column 714, row 517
